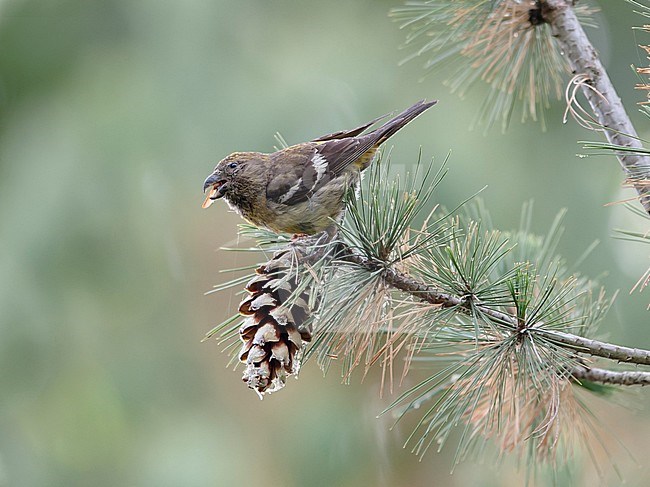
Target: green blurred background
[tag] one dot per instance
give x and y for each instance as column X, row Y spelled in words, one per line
column 111, row 115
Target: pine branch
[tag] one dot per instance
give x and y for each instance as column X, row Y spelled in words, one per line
column 600, row 93
column 600, row 349
column 627, row 378
column 432, row 295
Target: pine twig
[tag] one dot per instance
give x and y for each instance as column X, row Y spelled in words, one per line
column 627, row 378
column 432, row 295
column 600, row 349
column 600, row 93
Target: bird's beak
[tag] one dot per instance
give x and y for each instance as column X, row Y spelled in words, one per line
column 216, row 187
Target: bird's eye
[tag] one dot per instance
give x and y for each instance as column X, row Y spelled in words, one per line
column 232, row 165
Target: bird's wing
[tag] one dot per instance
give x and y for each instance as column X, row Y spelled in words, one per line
column 301, row 170
column 342, row 134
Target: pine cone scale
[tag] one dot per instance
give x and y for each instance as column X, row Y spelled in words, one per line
column 275, row 330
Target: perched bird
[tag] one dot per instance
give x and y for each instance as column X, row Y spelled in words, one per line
column 301, row 189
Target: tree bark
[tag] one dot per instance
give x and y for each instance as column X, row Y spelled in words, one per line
column 608, row 109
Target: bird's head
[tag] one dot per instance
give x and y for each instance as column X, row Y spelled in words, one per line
column 221, row 180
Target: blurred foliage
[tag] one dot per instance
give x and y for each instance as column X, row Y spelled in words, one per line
column 111, row 115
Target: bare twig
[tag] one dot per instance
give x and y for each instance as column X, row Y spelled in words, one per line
column 608, row 109
column 599, row 349
column 627, row 378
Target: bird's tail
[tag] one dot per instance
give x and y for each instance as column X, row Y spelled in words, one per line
column 391, row 127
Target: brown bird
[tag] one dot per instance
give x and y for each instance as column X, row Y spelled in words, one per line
column 301, row 189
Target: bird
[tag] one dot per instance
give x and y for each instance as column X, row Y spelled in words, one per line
column 301, row 189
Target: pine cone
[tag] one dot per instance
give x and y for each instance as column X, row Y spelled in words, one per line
column 275, row 331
